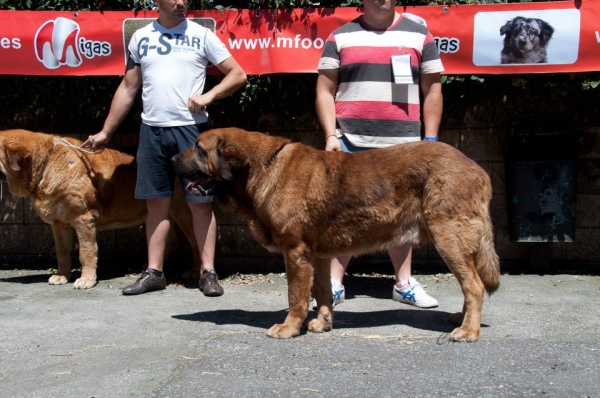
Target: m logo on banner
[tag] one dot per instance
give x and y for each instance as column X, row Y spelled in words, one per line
column 56, row 43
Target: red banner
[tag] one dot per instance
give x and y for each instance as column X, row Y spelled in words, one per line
column 472, row 39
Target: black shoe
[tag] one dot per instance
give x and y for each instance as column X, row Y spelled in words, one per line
column 148, row 282
column 209, row 284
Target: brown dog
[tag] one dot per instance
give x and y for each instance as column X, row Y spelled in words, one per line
column 78, row 194
column 312, row 205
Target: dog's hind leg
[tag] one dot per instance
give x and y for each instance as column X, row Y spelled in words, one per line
column 322, row 293
column 469, row 318
column 64, row 237
column 455, row 251
column 299, row 272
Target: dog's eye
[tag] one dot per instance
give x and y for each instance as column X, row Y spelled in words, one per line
column 200, row 151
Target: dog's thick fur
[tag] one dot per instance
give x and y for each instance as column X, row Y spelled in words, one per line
column 78, row 194
column 312, row 205
column 525, row 41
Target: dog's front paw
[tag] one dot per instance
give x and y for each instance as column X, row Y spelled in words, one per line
column 463, row 334
column 82, row 283
column 318, row 325
column 58, row 280
column 283, row 331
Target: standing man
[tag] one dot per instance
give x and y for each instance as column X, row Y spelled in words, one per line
column 371, row 74
column 168, row 60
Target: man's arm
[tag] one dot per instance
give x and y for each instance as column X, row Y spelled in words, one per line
column 121, row 104
column 433, row 103
column 327, row 84
column 235, row 77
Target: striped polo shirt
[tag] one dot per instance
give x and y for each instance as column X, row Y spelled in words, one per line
column 371, row 110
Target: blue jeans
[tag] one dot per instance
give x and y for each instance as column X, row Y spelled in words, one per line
column 348, row 147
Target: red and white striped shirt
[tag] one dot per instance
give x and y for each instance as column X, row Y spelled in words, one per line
column 371, row 110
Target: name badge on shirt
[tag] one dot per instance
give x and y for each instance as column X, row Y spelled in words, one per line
column 401, row 69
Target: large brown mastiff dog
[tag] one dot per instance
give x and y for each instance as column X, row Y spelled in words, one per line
column 312, row 205
column 78, row 193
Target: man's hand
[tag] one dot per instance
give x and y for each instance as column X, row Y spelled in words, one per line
column 96, row 141
column 198, row 103
column 333, row 144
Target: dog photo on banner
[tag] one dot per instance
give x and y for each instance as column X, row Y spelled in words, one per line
column 526, row 37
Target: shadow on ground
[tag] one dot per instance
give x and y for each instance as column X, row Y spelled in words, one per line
column 432, row 320
column 27, row 279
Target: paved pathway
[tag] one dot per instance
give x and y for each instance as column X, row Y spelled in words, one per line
column 540, row 337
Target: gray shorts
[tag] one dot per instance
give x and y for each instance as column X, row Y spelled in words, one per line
column 155, row 173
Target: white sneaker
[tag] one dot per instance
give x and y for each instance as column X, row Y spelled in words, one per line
column 413, row 294
column 339, row 295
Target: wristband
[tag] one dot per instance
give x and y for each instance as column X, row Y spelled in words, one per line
column 431, row 139
column 330, row 135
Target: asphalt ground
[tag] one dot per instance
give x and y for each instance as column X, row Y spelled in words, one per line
column 540, row 337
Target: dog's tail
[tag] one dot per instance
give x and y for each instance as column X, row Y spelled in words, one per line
column 487, row 262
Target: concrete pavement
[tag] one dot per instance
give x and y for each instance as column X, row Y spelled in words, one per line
column 540, row 337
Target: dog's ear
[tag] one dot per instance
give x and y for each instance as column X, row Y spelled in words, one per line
column 17, row 156
column 547, row 31
column 230, row 157
column 507, row 28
